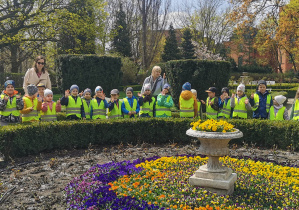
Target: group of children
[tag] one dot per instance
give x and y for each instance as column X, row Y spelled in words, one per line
column 38, row 104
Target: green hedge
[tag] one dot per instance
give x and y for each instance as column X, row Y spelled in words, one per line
column 31, row 139
column 88, row 71
column 201, row 74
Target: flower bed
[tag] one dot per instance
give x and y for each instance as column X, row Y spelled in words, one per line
column 162, row 183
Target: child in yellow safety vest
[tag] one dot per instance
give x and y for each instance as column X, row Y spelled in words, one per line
column 224, row 104
column 86, row 99
column 278, row 111
column 130, row 106
column 32, row 105
column 212, row 104
column 98, row 104
column 295, row 107
column 199, row 108
column 73, row 103
column 49, row 107
column 115, row 105
column 164, row 102
column 10, row 103
column 240, row 103
column 187, row 102
column 41, row 88
column 147, row 102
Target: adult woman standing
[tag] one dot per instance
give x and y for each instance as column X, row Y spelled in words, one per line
column 156, row 80
column 37, row 74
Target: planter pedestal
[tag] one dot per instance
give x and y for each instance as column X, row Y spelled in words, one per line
column 213, row 176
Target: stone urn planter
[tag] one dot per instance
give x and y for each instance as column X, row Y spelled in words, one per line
column 214, row 176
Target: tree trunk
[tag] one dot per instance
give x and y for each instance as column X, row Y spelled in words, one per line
column 14, row 50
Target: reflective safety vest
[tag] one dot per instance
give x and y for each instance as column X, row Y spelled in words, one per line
column 98, row 111
column 74, row 108
column 11, row 108
column 296, row 110
column 226, row 110
column 148, row 108
column 186, row 107
column 116, row 111
column 240, row 109
column 129, row 108
column 161, row 110
column 34, row 114
column 211, row 113
column 50, row 115
column 86, row 108
column 279, row 114
column 257, row 102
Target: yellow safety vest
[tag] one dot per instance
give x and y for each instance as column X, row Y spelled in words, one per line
column 33, row 115
column 116, row 111
column 186, row 107
column 161, row 110
column 296, row 110
column 129, row 108
column 98, row 111
column 279, row 114
column 148, row 108
column 74, row 108
column 11, row 108
column 211, row 113
column 50, row 115
column 240, row 109
column 257, row 102
column 226, row 110
column 86, row 108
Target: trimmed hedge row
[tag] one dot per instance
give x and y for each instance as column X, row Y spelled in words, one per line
column 30, row 139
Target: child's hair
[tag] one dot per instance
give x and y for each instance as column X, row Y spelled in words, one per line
column 296, row 96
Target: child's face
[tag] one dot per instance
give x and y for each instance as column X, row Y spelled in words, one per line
column 74, row 92
column 49, row 98
column 195, row 94
column 41, row 90
column 87, row 95
column 239, row 93
column 10, row 89
column 115, row 96
column 225, row 94
column 262, row 88
column 275, row 102
column 211, row 94
column 147, row 92
column 166, row 91
column 99, row 93
column 129, row 94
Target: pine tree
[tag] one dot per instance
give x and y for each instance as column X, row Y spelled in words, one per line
column 171, row 50
column 121, row 41
column 187, row 46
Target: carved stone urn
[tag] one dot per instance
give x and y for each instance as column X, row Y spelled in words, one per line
column 214, row 176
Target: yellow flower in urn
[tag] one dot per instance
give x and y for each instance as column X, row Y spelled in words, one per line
column 212, row 125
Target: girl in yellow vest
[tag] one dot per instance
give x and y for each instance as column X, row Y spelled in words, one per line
column 73, row 103
column 10, row 103
column 224, row 104
column 115, row 105
column 278, row 111
column 295, row 107
column 32, row 105
column 86, row 99
column 212, row 104
column 199, row 108
column 130, row 106
column 164, row 102
column 240, row 103
column 98, row 104
column 49, row 107
column 147, row 102
column 187, row 102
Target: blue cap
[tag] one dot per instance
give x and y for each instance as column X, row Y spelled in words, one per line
column 87, row 90
column 74, row 87
column 166, row 86
column 129, row 89
column 9, row 82
column 186, row 86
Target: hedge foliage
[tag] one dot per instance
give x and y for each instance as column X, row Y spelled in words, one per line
column 201, row 74
column 88, row 71
column 30, row 139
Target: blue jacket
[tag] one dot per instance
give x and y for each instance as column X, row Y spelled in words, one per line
column 261, row 111
column 220, row 103
column 130, row 100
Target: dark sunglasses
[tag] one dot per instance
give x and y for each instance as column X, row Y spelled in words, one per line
column 40, row 63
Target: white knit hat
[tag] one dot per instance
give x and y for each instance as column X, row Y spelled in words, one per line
column 280, row 99
column 147, row 86
column 241, row 87
column 47, row 92
column 98, row 88
column 193, row 91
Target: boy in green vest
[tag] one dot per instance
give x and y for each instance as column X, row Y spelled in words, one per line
column 130, row 106
column 41, row 88
column 115, row 105
column 147, row 102
column 49, row 107
column 224, row 104
column 187, row 102
column 10, row 103
column 199, row 109
column 98, row 104
column 295, row 107
column 278, row 111
column 240, row 103
column 86, row 99
column 212, row 104
column 73, row 103
column 32, row 105
column 164, row 102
